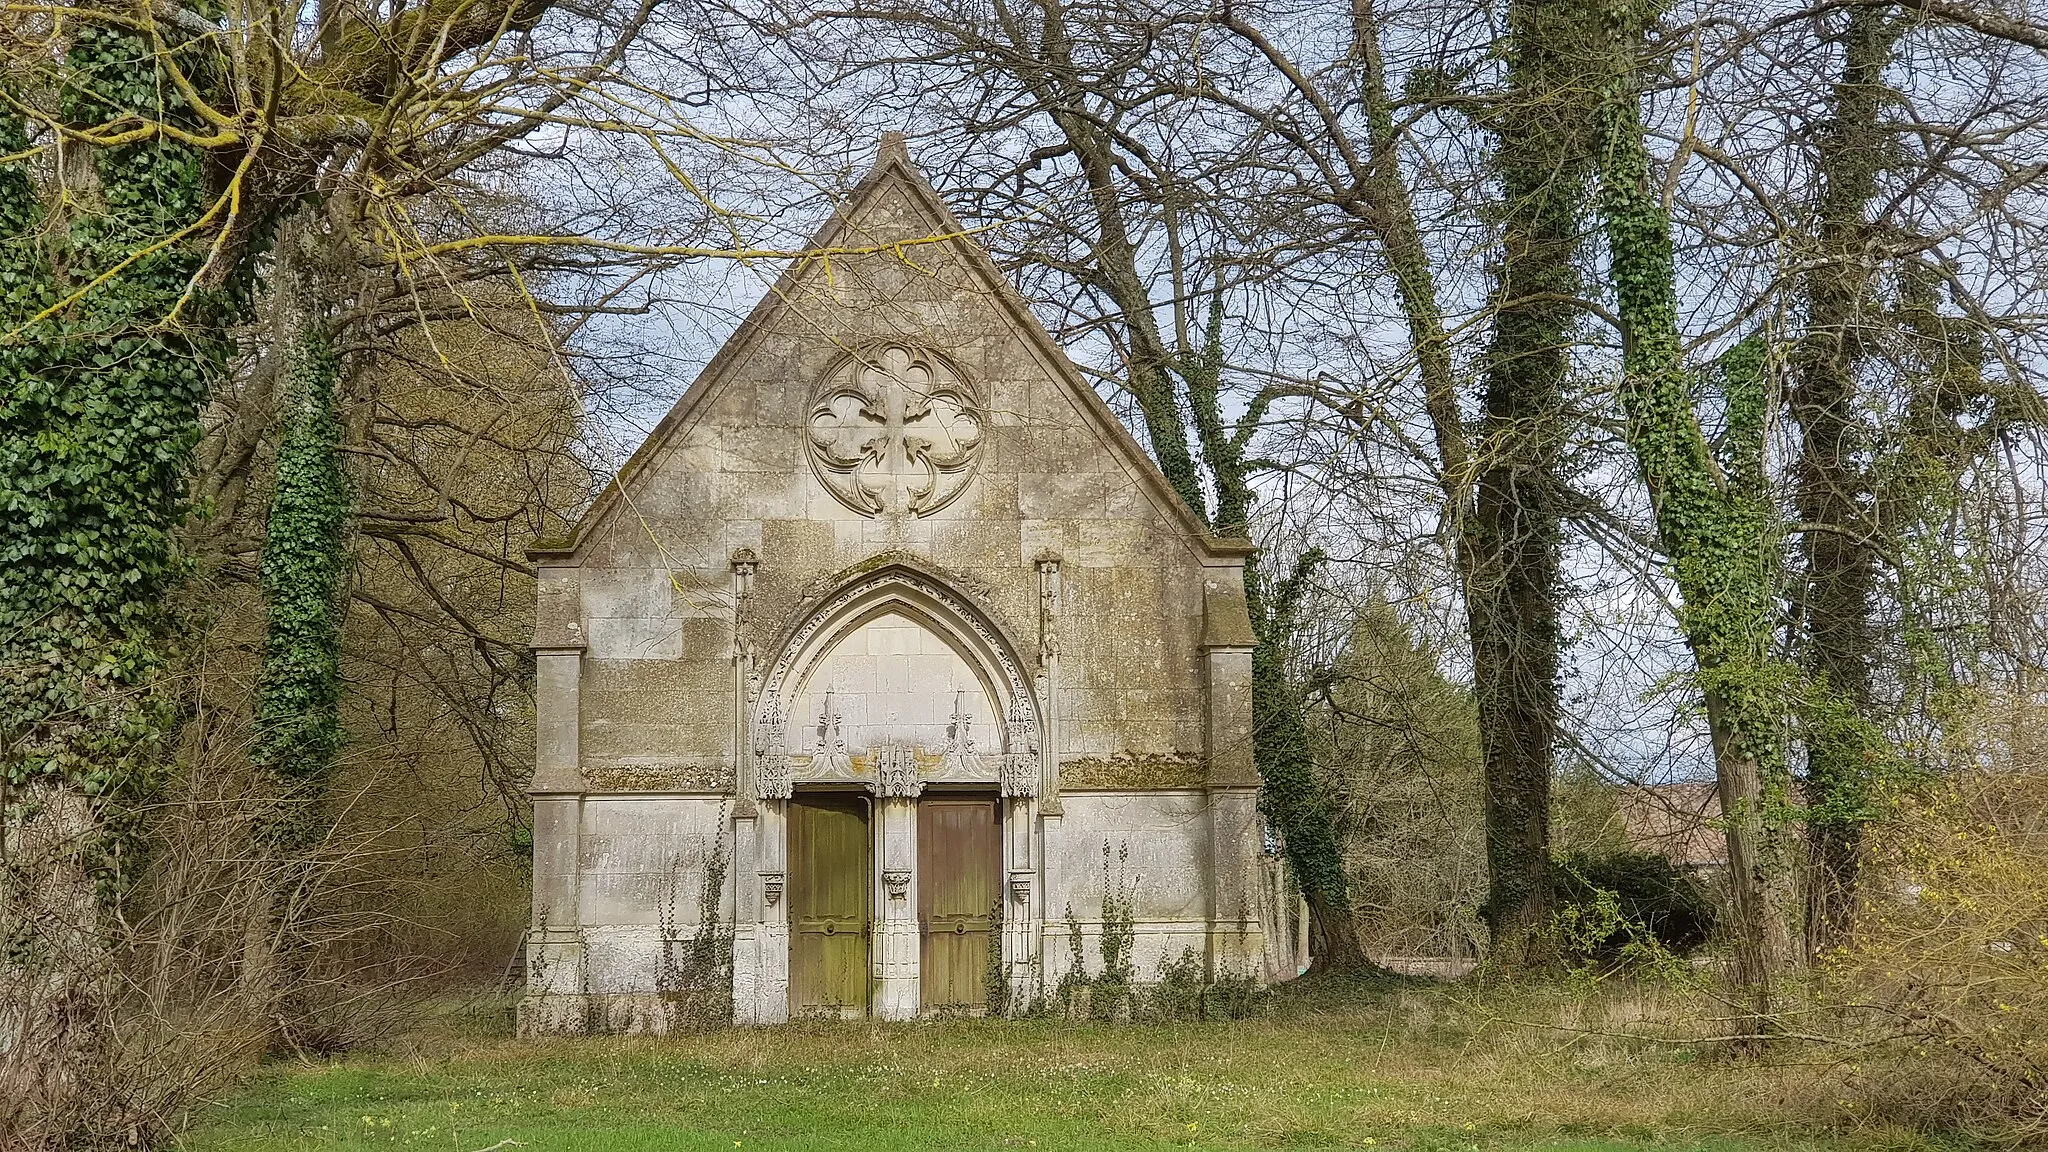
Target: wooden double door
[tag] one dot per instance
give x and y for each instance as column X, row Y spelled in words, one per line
column 832, row 894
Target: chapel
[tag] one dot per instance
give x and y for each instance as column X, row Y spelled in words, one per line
column 888, row 664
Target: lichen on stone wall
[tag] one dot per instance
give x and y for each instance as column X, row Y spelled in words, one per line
column 1132, row 771
column 667, row 777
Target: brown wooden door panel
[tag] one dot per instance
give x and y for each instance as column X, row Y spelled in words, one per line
column 829, row 883
column 959, row 867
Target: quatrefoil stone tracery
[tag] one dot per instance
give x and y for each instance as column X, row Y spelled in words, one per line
column 894, row 431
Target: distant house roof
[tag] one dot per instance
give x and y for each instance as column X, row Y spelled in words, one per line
column 1677, row 820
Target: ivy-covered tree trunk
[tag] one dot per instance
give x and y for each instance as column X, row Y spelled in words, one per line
column 1500, row 499
column 1542, row 160
column 1507, row 527
column 299, row 688
column 107, row 350
column 305, row 559
column 1293, row 795
column 1279, row 742
column 1718, row 531
column 1834, row 497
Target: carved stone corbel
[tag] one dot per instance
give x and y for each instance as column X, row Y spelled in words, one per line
column 896, row 772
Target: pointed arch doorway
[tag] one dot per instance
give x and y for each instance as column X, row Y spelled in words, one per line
column 898, row 765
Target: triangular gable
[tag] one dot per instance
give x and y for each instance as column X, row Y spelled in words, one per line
column 842, row 233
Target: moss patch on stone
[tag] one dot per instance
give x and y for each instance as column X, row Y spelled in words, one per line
column 676, row 777
column 1132, row 771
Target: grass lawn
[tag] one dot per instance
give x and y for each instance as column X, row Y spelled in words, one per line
column 1410, row 1070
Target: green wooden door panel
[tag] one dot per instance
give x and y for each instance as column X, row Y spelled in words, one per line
column 959, row 865
column 829, row 882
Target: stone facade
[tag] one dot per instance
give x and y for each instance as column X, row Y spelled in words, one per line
column 892, row 547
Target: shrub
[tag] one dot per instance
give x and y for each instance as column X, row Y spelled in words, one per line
column 1176, row 997
column 1184, row 993
column 1948, row 959
column 1609, row 900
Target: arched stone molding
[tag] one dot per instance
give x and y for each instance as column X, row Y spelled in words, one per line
column 793, row 749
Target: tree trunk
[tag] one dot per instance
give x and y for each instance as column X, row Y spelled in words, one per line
column 1514, row 665
column 56, row 1021
column 1511, row 593
column 1838, row 649
column 1763, row 897
column 1505, row 540
column 1334, row 931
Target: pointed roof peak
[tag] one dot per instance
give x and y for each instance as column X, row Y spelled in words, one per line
column 892, row 168
column 872, row 223
column 894, row 147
